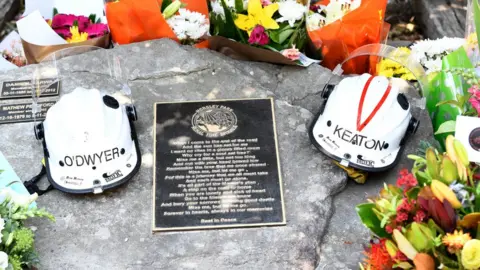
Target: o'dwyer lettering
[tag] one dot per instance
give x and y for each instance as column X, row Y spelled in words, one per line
column 92, row 159
column 359, row 140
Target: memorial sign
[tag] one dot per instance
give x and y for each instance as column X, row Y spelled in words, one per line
column 23, row 89
column 216, row 165
column 22, row 112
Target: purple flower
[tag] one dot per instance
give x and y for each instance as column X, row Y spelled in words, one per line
column 65, row 21
column 96, row 30
column 259, row 36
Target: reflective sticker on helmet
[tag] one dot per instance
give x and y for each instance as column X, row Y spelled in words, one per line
column 360, row 125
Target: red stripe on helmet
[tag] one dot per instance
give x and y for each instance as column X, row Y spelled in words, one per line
column 361, row 126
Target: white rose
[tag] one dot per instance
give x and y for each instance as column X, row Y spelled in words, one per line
column 3, row 260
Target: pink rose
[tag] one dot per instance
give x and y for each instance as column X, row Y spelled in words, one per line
column 292, row 54
column 96, row 30
column 476, row 104
column 259, row 36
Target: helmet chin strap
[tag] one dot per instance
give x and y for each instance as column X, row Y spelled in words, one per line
column 360, row 125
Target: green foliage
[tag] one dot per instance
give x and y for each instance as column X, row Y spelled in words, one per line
column 17, row 241
column 165, row 4
column 23, row 240
column 55, row 12
column 16, row 262
column 370, row 219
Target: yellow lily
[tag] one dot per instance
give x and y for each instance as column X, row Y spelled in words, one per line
column 257, row 15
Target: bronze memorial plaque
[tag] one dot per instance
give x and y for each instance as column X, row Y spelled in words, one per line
column 216, row 165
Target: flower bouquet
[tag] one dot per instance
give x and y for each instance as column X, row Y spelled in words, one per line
column 430, row 219
column 17, row 249
column 260, row 30
column 42, row 35
column 338, row 27
column 185, row 21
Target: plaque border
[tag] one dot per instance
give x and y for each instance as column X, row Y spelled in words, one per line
column 283, row 222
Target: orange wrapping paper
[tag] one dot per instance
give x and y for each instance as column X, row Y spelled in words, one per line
column 359, row 27
column 136, row 21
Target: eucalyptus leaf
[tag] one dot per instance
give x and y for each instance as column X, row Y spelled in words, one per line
column 447, row 127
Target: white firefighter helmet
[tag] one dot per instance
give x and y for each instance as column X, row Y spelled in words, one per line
column 89, row 141
column 365, row 122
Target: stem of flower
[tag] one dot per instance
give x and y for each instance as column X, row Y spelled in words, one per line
column 478, row 232
column 459, row 259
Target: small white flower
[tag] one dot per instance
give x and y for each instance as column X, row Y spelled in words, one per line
column 314, row 21
column 217, row 8
column 430, row 52
column 3, row 260
column 189, row 25
column 291, row 11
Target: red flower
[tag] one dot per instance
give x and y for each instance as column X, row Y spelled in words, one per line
column 401, row 217
column 405, row 206
column 259, row 36
column 400, row 257
column 406, row 180
column 96, row 30
column 378, row 257
column 65, row 21
column 389, row 229
column 419, row 216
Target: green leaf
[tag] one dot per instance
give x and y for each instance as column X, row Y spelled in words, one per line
column 450, row 102
column 98, row 20
column 75, row 23
column 92, row 18
column 476, row 15
column 446, row 127
column 239, row 6
column 55, row 11
column 274, row 36
column 231, row 30
column 423, row 178
column 369, row 219
column 284, row 35
column 413, row 193
column 165, row 4
column 445, row 260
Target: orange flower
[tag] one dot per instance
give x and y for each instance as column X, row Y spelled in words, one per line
column 456, row 240
column 378, row 257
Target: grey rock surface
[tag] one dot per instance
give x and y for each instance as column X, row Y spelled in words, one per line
column 8, row 10
column 113, row 230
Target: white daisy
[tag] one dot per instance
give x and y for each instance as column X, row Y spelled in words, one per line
column 291, row 11
column 430, row 52
column 189, row 25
